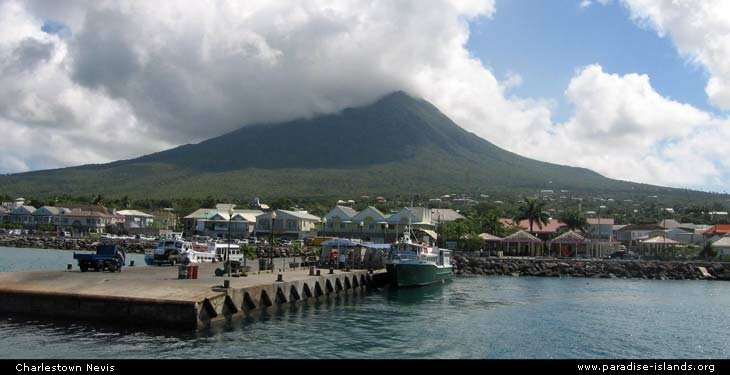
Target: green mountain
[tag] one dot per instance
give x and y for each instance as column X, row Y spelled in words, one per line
column 397, row 145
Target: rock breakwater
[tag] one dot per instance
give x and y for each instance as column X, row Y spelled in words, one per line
column 63, row 243
column 638, row 269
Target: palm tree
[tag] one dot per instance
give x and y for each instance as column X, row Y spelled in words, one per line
column 532, row 210
column 125, row 201
column 574, row 220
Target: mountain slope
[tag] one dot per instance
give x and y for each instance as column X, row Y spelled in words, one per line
column 397, row 145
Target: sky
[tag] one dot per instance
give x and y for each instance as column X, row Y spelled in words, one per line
column 636, row 90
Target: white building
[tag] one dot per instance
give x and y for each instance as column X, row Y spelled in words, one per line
column 287, row 224
column 134, row 219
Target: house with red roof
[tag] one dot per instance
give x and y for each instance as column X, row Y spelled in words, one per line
column 553, row 227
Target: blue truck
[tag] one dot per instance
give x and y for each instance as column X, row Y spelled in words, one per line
column 107, row 258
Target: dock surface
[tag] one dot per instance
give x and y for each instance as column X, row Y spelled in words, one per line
column 156, row 296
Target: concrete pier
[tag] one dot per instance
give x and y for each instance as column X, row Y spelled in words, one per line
column 155, row 295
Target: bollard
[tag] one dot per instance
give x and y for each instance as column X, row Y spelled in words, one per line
column 311, row 271
column 131, row 263
column 226, row 283
column 332, row 270
column 69, row 267
column 280, row 278
column 318, row 274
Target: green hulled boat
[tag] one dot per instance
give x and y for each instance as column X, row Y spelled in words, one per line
column 412, row 264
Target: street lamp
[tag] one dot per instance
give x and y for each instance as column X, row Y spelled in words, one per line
column 324, row 226
column 599, row 250
column 385, row 232
column 271, row 253
column 361, row 224
column 228, row 252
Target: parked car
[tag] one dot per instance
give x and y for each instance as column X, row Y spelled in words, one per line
column 623, row 254
column 64, row 234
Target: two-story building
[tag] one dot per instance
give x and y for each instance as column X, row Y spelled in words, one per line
column 599, row 228
column 287, row 224
column 167, row 219
column 214, row 222
column 4, row 215
column 47, row 215
column 371, row 224
column 632, row 234
column 134, row 219
column 80, row 221
column 23, row 215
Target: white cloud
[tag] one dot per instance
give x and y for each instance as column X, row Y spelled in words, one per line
column 701, row 32
column 624, row 129
column 177, row 72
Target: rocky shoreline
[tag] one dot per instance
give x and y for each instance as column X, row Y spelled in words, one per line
column 63, row 243
column 636, row 269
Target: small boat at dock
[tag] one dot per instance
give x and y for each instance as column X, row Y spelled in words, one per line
column 417, row 264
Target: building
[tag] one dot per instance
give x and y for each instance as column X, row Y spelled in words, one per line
column 546, row 232
column 287, row 224
column 444, row 215
column 80, row 221
column 47, row 215
column 339, row 219
column 599, row 228
column 4, row 215
column 633, row 233
column 716, row 232
column 373, row 225
column 134, row 219
column 465, row 202
column 214, row 222
column 167, row 219
column 23, row 215
column 10, row 206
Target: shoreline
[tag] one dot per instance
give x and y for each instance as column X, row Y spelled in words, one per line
column 590, row 268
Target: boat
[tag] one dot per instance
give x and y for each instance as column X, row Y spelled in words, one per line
column 200, row 242
column 168, row 252
column 416, row 264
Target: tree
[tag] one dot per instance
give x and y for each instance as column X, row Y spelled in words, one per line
column 532, row 210
column 97, row 200
column 574, row 220
column 707, row 251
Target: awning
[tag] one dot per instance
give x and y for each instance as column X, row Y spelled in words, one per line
column 429, row 232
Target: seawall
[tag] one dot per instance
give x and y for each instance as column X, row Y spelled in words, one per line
column 639, row 269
